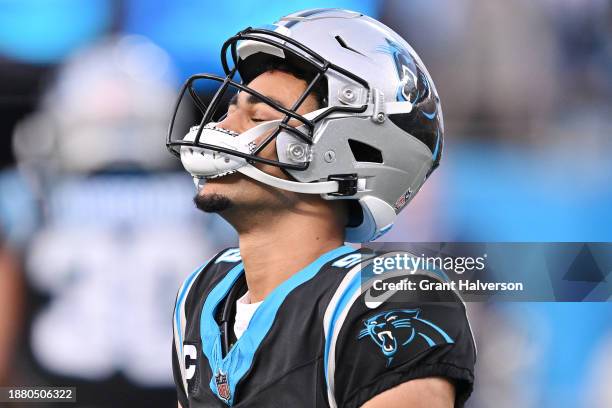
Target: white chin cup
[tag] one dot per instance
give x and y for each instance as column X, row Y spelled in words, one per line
column 201, row 162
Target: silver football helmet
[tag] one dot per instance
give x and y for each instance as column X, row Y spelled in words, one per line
column 375, row 142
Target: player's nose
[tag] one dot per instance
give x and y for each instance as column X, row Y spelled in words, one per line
column 233, row 122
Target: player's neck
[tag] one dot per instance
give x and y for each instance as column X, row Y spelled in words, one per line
column 273, row 251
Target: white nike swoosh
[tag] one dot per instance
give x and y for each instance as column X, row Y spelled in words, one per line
column 372, row 302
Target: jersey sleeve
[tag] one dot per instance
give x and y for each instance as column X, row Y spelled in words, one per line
column 178, row 379
column 378, row 345
column 183, row 313
column 179, row 327
column 179, row 322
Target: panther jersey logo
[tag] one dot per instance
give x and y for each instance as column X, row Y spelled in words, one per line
column 398, row 328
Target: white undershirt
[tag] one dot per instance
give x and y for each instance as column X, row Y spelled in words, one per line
column 244, row 313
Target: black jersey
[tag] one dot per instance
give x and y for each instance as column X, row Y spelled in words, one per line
column 314, row 341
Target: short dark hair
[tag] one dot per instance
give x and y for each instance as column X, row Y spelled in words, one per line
column 260, row 63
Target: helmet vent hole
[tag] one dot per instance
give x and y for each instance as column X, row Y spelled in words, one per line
column 343, row 45
column 364, row 152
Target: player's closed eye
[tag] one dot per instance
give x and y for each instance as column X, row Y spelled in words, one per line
column 233, row 106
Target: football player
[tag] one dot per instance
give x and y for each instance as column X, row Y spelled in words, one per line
column 330, row 130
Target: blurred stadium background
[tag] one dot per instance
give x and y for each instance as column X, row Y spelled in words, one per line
column 97, row 228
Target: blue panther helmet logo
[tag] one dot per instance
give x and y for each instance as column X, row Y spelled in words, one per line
column 413, row 83
column 397, row 328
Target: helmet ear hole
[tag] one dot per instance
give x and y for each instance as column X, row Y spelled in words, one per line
column 363, row 152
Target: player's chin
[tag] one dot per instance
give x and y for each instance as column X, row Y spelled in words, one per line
column 216, row 194
column 212, row 202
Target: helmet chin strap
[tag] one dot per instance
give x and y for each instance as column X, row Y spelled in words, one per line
column 320, row 187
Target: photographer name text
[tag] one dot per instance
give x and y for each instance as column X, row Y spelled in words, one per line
column 461, row 285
